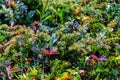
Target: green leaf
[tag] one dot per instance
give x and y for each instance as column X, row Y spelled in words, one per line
column 77, row 77
column 0, row 27
column 48, row 17
column 39, row 13
column 71, row 70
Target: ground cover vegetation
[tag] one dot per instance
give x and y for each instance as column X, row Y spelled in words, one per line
column 59, row 39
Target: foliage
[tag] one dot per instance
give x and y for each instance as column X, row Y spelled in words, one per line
column 60, row 39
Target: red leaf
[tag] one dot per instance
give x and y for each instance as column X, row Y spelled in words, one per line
column 34, row 27
column 14, row 69
column 8, row 72
column 45, row 51
column 50, row 52
column 94, row 57
column 35, row 23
